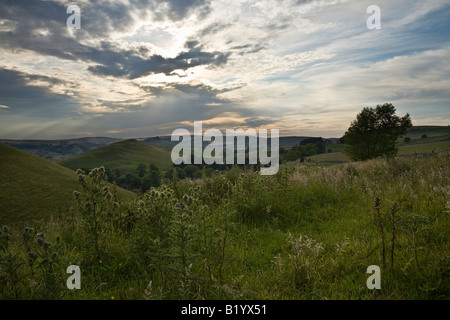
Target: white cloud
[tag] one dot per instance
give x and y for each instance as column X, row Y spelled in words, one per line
column 305, row 66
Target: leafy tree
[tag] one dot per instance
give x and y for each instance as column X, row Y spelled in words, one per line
column 141, row 170
column 374, row 133
column 151, row 179
column 320, row 147
column 311, row 149
column 190, row 170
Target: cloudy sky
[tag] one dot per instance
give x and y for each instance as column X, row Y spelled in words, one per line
column 140, row 68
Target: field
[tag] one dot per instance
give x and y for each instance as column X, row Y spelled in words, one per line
column 438, row 139
column 34, row 188
column 309, row 232
column 125, row 155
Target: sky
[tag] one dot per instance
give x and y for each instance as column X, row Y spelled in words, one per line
column 142, row 68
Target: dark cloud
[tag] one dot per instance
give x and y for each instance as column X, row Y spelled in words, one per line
column 18, row 91
column 40, row 26
column 130, row 64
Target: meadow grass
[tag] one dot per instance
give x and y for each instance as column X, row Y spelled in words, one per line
column 308, row 232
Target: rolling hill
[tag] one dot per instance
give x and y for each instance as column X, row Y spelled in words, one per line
column 126, row 155
column 34, row 188
column 437, row 139
column 55, row 150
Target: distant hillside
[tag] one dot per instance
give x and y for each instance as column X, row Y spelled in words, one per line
column 56, row 150
column 127, row 154
column 31, row 187
column 423, row 139
column 165, row 141
column 160, row 141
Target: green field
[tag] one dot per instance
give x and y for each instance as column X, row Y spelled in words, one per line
column 438, row 139
column 126, row 155
column 416, row 132
column 308, row 232
column 34, row 188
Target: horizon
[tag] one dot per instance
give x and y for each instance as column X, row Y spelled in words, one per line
column 169, row 136
column 144, row 68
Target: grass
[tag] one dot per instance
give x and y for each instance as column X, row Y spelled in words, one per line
column 126, row 155
column 409, row 149
column 438, row 140
column 309, row 232
column 34, row 188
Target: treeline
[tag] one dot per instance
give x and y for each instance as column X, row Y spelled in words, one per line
column 141, row 179
column 306, row 148
column 145, row 176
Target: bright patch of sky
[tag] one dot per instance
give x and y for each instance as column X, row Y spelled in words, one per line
column 140, row 68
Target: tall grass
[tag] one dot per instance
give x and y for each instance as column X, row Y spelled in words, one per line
column 308, row 232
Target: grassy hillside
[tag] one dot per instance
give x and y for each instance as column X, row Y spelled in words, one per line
column 31, row 187
column 56, row 150
column 125, row 155
column 308, row 232
column 438, row 139
column 416, row 132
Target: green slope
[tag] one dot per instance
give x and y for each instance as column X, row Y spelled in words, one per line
column 438, row 139
column 126, row 155
column 32, row 187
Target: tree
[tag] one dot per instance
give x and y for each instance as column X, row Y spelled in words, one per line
column 407, row 140
column 190, row 169
column 141, row 170
column 374, row 133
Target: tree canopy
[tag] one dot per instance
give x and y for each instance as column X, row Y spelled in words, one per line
column 374, row 133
